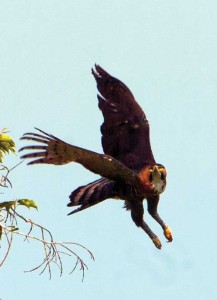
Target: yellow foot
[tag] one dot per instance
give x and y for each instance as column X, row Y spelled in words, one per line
column 168, row 234
column 157, row 242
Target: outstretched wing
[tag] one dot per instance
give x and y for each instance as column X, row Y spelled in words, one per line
column 125, row 131
column 57, row 152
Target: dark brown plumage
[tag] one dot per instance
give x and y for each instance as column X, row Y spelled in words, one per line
column 128, row 168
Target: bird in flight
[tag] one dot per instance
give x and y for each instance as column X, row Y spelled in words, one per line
column 127, row 168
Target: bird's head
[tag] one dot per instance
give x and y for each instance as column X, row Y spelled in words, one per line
column 154, row 177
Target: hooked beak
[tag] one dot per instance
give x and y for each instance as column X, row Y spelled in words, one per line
column 156, row 171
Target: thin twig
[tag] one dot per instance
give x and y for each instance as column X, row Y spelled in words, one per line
column 52, row 250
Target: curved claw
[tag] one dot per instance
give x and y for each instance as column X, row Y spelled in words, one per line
column 157, row 242
column 168, row 234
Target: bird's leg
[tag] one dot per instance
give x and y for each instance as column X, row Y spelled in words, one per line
column 137, row 212
column 152, row 209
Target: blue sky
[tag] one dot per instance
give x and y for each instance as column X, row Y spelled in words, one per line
column 165, row 51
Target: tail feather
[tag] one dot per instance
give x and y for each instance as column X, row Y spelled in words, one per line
column 91, row 194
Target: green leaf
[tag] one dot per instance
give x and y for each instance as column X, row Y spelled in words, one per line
column 28, row 203
column 1, row 155
column 0, row 232
column 6, row 144
column 13, row 228
column 7, row 139
column 7, row 205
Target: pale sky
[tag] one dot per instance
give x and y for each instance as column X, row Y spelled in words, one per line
column 166, row 52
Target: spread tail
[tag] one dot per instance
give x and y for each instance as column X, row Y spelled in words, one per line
column 91, row 194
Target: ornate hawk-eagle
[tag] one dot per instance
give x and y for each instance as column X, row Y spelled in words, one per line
column 128, row 169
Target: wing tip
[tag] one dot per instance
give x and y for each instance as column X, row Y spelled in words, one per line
column 74, row 211
column 94, row 72
column 98, row 72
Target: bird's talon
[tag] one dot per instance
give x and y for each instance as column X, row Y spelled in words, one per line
column 168, row 234
column 157, row 242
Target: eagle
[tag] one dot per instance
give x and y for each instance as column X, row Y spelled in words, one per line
column 127, row 168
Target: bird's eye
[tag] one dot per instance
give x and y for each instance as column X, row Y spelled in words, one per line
column 162, row 176
column 151, row 177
